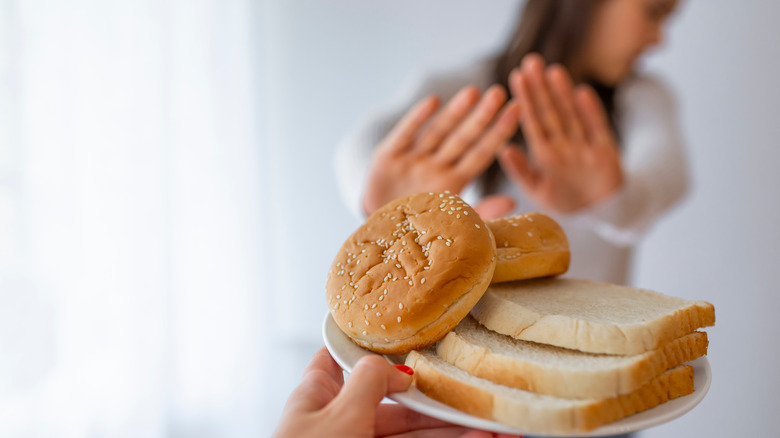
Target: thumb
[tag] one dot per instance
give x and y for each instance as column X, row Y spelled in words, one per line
column 370, row 381
column 495, row 206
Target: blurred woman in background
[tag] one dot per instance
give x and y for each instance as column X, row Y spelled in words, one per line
column 585, row 137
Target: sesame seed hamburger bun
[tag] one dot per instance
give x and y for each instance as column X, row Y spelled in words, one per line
column 410, row 273
column 530, row 245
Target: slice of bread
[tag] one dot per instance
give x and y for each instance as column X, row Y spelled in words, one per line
column 561, row 372
column 536, row 413
column 589, row 316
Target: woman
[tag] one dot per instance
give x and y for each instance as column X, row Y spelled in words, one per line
column 603, row 157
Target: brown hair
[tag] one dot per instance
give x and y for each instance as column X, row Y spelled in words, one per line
column 556, row 29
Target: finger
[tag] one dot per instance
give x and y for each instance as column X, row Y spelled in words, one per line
column 473, row 126
column 532, row 127
column 477, row 158
column 405, row 131
column 320, row 384
column 592, row 112
column 323, row 361
column 393, row 419
column 447, row 119
column 514, row 82
column 515, row 164
column 370, row 381
column 560, row 83
column 547, row 114
column 494, row 207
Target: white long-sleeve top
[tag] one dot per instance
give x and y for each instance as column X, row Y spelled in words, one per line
column 602, row 236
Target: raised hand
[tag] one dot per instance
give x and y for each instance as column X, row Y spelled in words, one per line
column 574, row 160
column 433, row 149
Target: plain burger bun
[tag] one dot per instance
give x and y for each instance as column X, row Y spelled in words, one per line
column 529, row 245
column 410, row 273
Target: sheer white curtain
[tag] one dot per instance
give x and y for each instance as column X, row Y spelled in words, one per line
column 132, row 279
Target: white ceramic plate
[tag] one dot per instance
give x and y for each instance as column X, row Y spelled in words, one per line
column 347, row 353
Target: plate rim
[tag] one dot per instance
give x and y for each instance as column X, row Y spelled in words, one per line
column 416, row 400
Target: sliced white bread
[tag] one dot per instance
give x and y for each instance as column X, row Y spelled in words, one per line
column 536, row 413
column 561, row 372
column 589, row 316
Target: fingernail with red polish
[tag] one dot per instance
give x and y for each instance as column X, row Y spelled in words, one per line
column 404, row 369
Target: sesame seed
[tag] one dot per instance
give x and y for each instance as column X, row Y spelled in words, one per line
column 366, row 307
column 366, row 321
column 378, row 313
column 410, row 283
column 338, row 297
column 398, row 265
column 398, row 319
column 373, row 306
column 477, row 225
column 448, row 243
column 457, row 216
column 336, row 307
column 385, row 292
column 466, row 213
column 400, row 305
column 383, row 327
column 364, row 332
column 530, row 234
column 381, row 297
column 422, row 281
column 351, row 273
column 349, row 324
column 426, row 267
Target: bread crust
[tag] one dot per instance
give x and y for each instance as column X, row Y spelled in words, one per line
column 544, row 414
column 529, row 245
column 410, row 273
column 566, row 374
column 502, row 310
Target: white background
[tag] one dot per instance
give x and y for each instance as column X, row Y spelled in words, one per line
column 168, row 208
column 337, row 59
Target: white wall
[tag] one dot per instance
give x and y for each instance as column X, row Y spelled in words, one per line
column 328, row 62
